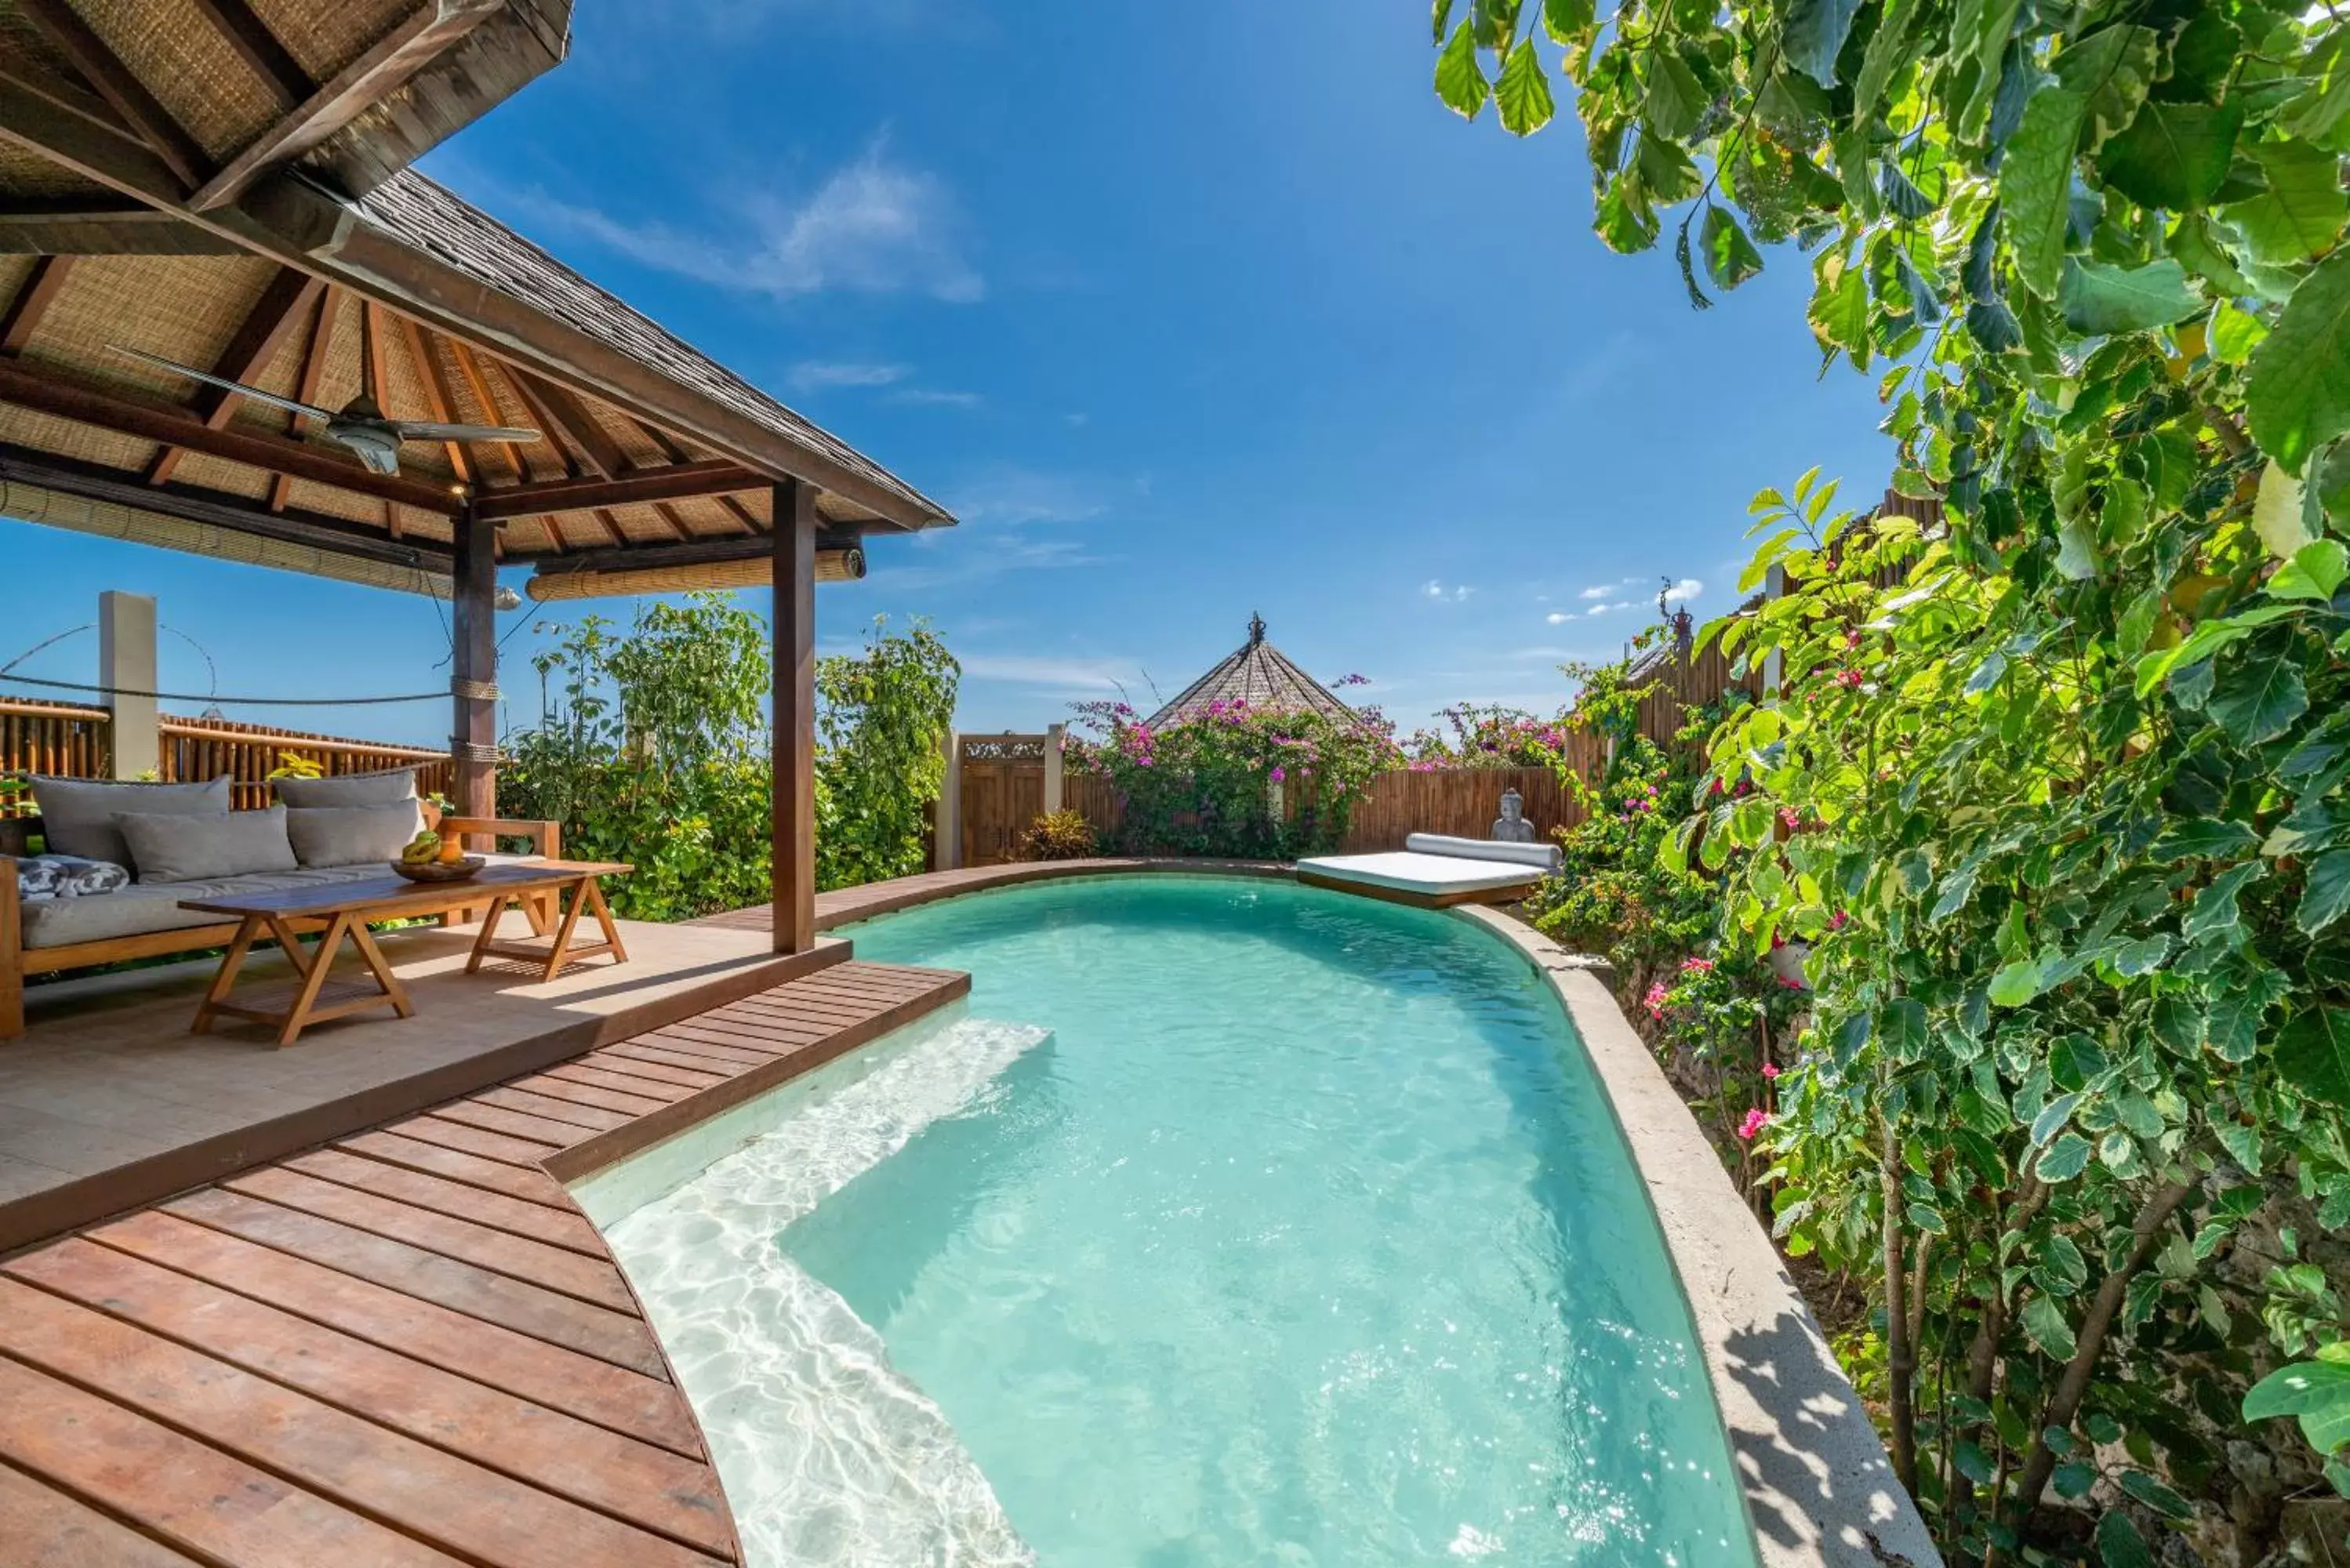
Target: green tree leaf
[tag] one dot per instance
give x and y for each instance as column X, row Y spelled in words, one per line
column 2299, row 215
column 2214, row 909
column 2099, row 300
column 2111, row 71
column 2016, row 983
column 1440, row 14
column 2313, row 1052
column 2063, row 1160
column 2172, row 155
column 2299, row 396
column 1979, row 30
column 1566, row 21
column 2259, row 698
column 1675, row 101
column 1885, row 53
column 2327, row 894
column 1460, row 80
column 1523, row 94
column 1812, row 33
column 2316, row 570
column 2044, row 1320
column 2279, row 514
column 2203, row 838
column 2119, row 1545
column 2317, row 1392
column 2035, row 183
column 1731, row 258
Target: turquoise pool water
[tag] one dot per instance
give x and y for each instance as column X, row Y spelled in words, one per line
column 1305, row 1237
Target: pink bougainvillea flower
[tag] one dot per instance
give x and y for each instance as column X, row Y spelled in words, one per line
column 1770, row 1069
column 1852, row 637
column 1793, row 982
column 1696, row 965
column 1849, row 679
column 1655, row 999
column 1279, row 774
column 1836, row 921
column 1756, row 1120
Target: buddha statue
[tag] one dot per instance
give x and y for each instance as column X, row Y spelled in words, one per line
column 1511, row 827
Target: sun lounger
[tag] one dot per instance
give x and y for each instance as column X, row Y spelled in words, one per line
column 1434, row 871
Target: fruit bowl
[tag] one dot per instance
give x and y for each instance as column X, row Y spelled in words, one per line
column 439, row 872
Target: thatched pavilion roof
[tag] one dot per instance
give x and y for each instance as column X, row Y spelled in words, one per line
column 231, row 194
column 1260, row 675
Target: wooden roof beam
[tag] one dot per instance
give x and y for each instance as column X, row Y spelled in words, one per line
column 561, row 411
column 116, row 83
column 305, row 386
column 248, row 354
column 434, row 378
column 679, row 481
column 68, row 400
column 694, row 553
column 259, row 47
column 103, row 228
column 39, row 292
column 421, row 38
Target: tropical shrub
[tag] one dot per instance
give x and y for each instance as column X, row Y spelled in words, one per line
column 1057, row 836
column 1236, row 781
column 1476, row 735
column 654, row 750
column 2076, row 1094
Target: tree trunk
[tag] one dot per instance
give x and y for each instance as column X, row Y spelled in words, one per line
column 1900, row 1350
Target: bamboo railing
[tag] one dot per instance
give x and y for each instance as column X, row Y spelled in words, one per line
column 73, row 742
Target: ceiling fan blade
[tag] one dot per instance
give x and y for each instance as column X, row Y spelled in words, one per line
column 409, row 429
column 256, row 393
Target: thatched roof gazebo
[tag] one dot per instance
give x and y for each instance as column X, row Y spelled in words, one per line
column 228, row 190
column 1260, row 675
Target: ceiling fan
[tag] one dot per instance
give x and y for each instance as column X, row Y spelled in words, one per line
column 361, row 426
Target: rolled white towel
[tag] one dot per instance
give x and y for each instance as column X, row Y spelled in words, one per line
column 1545, row 856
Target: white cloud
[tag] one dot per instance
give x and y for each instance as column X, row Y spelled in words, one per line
column 926, row 396
column 1598, row 592
column 1444, row 594
column 816, row 375
column 1011, row 494
column 1557, row 617
column 874, row 226
column 1057, row 674
column 1609, row 609
column 1683, row 591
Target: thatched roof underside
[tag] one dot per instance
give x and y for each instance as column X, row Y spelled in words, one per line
column 1260, row 675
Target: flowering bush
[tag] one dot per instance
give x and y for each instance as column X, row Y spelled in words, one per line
column 1475, row 736
column 1234, row 780
column 1721, row 1023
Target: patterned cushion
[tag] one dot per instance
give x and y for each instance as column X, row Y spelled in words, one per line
column 67, row 877
column 78, row 815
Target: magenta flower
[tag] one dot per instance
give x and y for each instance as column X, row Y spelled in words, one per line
column 1756, row 1120
column 1770, row 1069
column 1279, row 774
column 1849, row 679
column 1655, row 1000
column 1696, row 965
column 1792, row 983
column 1836, row 921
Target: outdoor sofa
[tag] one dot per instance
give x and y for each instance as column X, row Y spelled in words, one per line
column 107, row 889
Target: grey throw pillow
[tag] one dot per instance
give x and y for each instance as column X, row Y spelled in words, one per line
column 349, row 790
column 78, row 815
column 206, row 849
column 353, row 836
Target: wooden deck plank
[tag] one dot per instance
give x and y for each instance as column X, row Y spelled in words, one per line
column 743, row 1039
column 463, row 1287
column 534, row 1221
column 614, row 1475
column 433, row 1496
column 625, row 1401
column 645, row 1048
column 588, row 1087
column 596, row 1281
column 469, row 1139
column 181, row 1490
column 41, row 1527
column 731, row 1059
column 570, row 1113
column 530, row 1185
column 631, row 1067
column 514, row 1124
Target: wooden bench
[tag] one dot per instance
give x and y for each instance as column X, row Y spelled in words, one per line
column 18, row 960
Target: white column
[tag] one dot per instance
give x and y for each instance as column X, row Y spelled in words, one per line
column 126, row 664
column 1056, row 737
column 946, row 848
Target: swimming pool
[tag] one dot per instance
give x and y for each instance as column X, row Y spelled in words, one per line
column 1236, row 1222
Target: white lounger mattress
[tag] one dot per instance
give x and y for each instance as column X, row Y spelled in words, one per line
column 1409, row 871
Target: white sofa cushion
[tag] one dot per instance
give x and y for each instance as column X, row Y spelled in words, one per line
column 78, row 815
column 353, row 834
column 350, row 789
column 180, row 849
column 145, row 908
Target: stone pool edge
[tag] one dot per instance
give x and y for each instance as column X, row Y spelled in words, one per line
column 1818, row 1484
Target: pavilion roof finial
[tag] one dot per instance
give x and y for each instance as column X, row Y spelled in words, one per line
column 1256, row 628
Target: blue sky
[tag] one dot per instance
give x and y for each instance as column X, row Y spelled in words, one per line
column 1186, row 311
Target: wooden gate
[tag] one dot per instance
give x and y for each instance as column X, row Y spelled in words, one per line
column 1002, row 793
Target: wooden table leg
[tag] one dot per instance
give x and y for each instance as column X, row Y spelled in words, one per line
column 488, row 939
column 372, row 956
column 578, row 903
column 231, row 961
column 594, row 890
column 298, row 1014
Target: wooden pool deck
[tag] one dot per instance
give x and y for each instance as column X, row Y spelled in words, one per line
column 404, row 1346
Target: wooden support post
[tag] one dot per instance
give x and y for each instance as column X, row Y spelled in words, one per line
column 1056, row 738
column 126, row 657
column 794, row 885
column 473, row 667
column 946, row 842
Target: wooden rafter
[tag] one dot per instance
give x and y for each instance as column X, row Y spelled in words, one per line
column 259, row 47
column 248, row 354
column 372, row 373
column 23, row 316
column 305, row 388
column 679, row 481
column 479, row 384
column 116, row 83
column 426, row 33
column 560, row 410
column 50, row 393
column 435, row 380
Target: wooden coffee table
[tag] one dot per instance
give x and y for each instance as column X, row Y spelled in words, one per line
column 344, row 909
